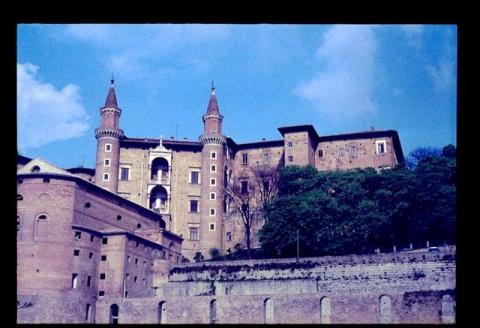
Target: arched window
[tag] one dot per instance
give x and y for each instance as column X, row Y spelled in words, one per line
column 88, row 314
column 159, row 171
column 162, row 312
column 19, row 197
column 325, row 310
column 448, row 309
column 385, row 309
column 213, row 311
column 268, row 310
column 158, row 199
column 35, row 169
column 114, row 310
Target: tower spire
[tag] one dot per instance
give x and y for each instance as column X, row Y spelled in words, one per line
column 111, row 101
column 212, row 104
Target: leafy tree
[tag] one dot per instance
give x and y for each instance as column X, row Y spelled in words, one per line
column 198, row 257
column 358, row 210
column 214, row 252
column 419, row 154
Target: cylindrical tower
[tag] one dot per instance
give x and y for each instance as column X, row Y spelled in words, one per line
column 211, row 227
column 108, row 143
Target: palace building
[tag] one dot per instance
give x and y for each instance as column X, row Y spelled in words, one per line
column 184, row 180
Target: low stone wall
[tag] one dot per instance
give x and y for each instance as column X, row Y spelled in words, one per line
column 409, row 287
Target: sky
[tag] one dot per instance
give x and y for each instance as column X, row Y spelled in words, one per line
column 339, row 78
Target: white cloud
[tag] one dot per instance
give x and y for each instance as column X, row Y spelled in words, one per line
column 442, row 74
column 45, row 114
column 413, row 34
column 345, row 84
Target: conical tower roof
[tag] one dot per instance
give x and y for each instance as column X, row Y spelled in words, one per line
column 212, row 104
column 111, row 101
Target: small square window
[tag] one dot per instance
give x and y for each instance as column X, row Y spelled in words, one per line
column 213, row 182
column 106, row 177
column 106, row 162
column 213, row 155
column 102, row 276
column 76, row 252
column 104, row 241
column 78, row 235
column 213, row 168
column 108, row 148
column 290, row 159
column 101, row 293
column 212, row 212
column 213, row 196
column 290, row 144
column 212, row 227
column 104, row 257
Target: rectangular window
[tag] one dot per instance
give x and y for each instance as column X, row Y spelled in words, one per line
column 266, row 159
column 290, row 159
column 212, row 226
column 213, row 155
column 290, row 144
column 381, row 147
column 106, row 162
column 229, row 236
column 74, row 280
column 213, row 196
column 104, row 257
column 92, row 238
column 244, row 187
column 106, row 177
column 78, row 235
column 213, row 168
column 213, row 182
column 104, row 241
column 353, row 151
column 102, row 276
column 89, row 281
column 341, row 151
column 193, row 206
column 90, row 255
column 193, row 233
column 245, row 158
column 320, row 153
column 101, row 293
column 108, row 148
column 212, row 212
column 76, row 252
column 124, row 173
column 194, row 177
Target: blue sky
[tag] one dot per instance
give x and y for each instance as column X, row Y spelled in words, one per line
column 340, row 78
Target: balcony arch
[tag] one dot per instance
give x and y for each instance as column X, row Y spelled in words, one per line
column 159, row 171
column 159, row 199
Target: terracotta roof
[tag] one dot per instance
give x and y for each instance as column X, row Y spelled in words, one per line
column 212, row 104
column 111, row 101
